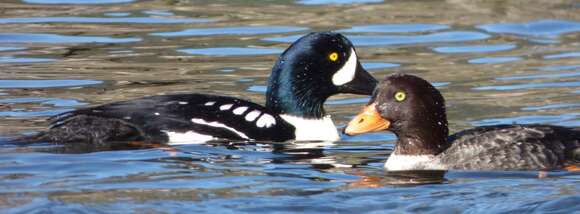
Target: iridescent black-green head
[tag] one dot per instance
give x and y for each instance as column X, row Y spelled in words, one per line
column 313, row 68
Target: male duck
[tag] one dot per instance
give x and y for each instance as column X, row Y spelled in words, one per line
column 312, row 69
column 414, row 110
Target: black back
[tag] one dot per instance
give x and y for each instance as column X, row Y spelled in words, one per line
column 146, row 118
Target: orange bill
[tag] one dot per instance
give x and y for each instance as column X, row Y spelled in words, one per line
column 574, row 168
column 369, row 120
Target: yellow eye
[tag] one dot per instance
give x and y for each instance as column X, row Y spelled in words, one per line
column 333, row 56
column 400, row 96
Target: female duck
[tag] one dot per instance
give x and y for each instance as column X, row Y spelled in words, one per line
column 312, row 69
column 414, row 110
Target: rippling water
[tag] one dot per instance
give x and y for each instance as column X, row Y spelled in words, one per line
column 496, row 62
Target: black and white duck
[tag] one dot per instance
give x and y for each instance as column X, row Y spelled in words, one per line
column 312, row 69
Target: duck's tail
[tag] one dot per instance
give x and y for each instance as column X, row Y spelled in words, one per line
column 84, row 129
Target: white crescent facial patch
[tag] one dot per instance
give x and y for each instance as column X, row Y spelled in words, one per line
column 347, row 72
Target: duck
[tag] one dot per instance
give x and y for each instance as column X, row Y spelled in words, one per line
column 313, row 68
column 414, row 110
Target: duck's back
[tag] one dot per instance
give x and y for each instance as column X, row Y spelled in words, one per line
column 513, row 147
column 167, row 118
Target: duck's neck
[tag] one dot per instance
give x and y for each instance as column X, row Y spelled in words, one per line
column 294, row 96
column 422, row 139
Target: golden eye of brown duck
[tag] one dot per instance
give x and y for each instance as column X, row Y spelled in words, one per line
column 411, row 108
column 401, row 103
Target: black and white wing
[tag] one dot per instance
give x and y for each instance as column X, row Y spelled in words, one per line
column 179, row 117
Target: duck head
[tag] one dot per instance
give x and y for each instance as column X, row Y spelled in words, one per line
column 313, row 68
column 412, row 109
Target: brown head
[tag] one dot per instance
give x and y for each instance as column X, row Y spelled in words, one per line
column 410, row 107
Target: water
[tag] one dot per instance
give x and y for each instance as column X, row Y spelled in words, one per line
column 497, row 62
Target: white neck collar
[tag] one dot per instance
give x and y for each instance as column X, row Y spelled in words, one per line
column 313, row 129
column 413, row 162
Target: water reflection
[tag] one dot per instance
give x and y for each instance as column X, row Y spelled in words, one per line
column 475, row 48
column 46, row 83
column 494, row 60
column 546, row 119
column 231, row 51
column 405, row 178
column 71, row 19
column 540, row 76
column 27, row 107
column 379, row 65
column 543, row 28
column 389, row 40
column 529, row 86
column 117, row 14
column 563, row 55
column 55, row 38
column 249, row 30
column 12, row 48
column 43, row 101
column 77, row 1
column 325, row 2
column 395, row 28
column 11, row 59
column 552, row 106
column 158, row 13
column 558, row 67
column 29, row 113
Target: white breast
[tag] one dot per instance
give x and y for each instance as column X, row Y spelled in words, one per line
column 313, row 129
column 413, row 162
column 189, row 137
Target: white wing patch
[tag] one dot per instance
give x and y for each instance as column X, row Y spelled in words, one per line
column 226, row 107
column 266, row 121
column 182, row 103
column 347, row 72
column 252, row 115
column 189, row 137
column 219, row 125
column 262, row 120
column 240, row 110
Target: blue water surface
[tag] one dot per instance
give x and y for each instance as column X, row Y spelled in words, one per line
column 395, row 28
column 474, row 48
column 527, row 86
column 390, row 40
column 248, row 30
column 55, row 38
column 563, row 55
column 495, row 62
column 326, row 2
column 231, row 51
column 11, row 59
column 46, row 83
column 77, row 1
column 139, row 20
column 549, row 28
